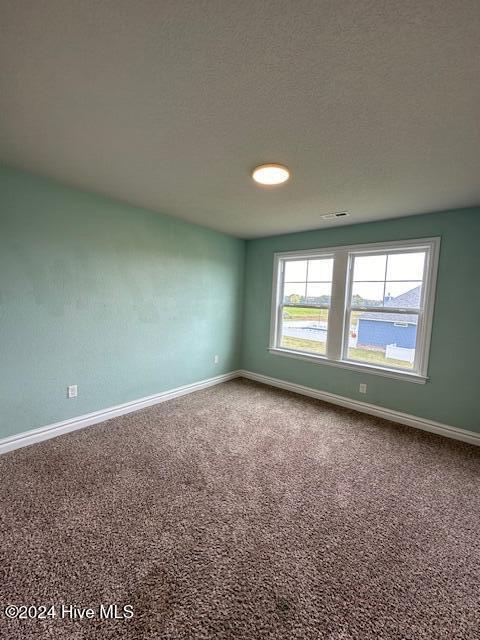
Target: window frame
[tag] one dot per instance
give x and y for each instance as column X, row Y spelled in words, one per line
column 340, row 307
column 280, row 305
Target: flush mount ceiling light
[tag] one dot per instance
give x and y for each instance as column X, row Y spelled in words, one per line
column 270, row 174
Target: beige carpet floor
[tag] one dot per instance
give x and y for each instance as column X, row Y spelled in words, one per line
column 244, row 512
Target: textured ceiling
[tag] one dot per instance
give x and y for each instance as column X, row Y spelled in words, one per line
column 374, row 105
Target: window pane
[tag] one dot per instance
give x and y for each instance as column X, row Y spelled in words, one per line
column 320, row 270
column 293, row 293
column 369, row 268
column 403, row 294
column 304, row 330
column 405, row 266
column 367, row 294
column 319, row 293
column 385, row 339
column 295, row 270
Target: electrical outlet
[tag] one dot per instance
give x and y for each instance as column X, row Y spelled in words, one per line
column 363, row 388
column 72, row 391
column 216, row 359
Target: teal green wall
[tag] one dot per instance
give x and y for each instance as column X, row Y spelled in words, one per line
column 121, row 301
column 127, row 303
column 452, row 395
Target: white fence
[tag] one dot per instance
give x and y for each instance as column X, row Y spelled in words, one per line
column 400, row 353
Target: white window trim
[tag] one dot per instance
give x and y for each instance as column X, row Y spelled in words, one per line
column 339, row 309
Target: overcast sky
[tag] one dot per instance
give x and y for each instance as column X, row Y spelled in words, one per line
column 372, row 276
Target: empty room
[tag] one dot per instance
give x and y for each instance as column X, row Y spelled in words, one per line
column 239, row 320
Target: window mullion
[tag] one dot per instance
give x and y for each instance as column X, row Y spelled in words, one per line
column 306, row 280
column 419, row 342
column 420, row 355
column 280, row 300
column 336, row 316
column 277, row 302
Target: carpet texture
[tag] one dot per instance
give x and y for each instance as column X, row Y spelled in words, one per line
column 244, row 512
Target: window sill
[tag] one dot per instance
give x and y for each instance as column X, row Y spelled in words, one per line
column 355, row 366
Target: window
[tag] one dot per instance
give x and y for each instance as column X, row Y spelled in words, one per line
column 363, row 306
column 307, row 291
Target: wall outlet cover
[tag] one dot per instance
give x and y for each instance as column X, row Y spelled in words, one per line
column 72, row 391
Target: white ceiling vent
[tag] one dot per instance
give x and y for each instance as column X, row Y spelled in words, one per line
column 336, row 214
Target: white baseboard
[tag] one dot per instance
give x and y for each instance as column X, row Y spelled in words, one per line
column 52, row 430
column 464, row 435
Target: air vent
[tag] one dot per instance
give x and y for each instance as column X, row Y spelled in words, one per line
column 336, row 214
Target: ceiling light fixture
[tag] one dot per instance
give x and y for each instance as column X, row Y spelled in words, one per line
column 270, row 174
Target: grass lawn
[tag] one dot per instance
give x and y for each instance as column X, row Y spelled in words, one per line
column 304, row 345
column 376, row 357
column 301, row 313
column 363, row 355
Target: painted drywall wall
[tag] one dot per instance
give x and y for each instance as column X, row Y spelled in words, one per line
column 121, row 301
column 126, row 303
column 451, row 395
